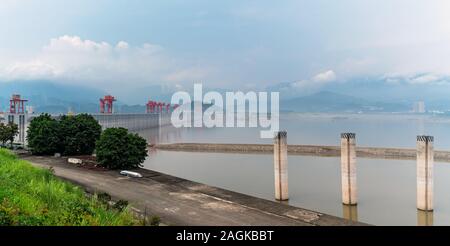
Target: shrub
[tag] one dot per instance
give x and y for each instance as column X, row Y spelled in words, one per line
column 70, row 135
column 8, row 132
column 104, row 197
column 79, row 134
column 43, row 135
column 155, row 221
column 118, row 149
column 120, row 205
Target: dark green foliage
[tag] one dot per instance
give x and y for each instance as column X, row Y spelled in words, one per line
column 118, row 149
column 79, row 133
column 43, row 135
column 120, row 205
column 8, row 132
column 155, row 221
column 3, row 131
column 104, row 197
column 12, row 131
column 71, row 135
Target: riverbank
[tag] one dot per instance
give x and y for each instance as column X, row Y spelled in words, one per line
column 308, row 150
column 182, row 202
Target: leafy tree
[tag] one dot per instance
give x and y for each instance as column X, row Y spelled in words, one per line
column 70, row 135
column 3, row 134
column 118, row 149
column 43, row 135
column 8, row 132
column 79, row 133
column 12, row 131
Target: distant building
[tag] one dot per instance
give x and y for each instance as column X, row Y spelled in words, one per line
column 70, row 112
column 29, row 109
column 419, row 107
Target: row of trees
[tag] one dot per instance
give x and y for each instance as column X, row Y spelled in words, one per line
column 8, row 132
column 68, row 135
column 115, row 148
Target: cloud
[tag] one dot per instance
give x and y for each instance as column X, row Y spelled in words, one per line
column 73, row 59
column 306, row 86
column 122, row 45
column 325, row 77
column 424, row 79
column 317, row 81
column 34, row 69
column 189, row 74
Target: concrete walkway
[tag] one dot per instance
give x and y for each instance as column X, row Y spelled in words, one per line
column 181, row 202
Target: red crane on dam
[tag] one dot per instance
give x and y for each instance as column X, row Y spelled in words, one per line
column 17, row 104
column 159, row 107
column 150, row 106
column 107, row 103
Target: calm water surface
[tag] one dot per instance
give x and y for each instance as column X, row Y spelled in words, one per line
column 386, row 188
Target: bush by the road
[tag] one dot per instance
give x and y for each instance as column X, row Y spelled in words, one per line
column 43, row 136
column 70, row 135
column 8, row 132
column 119, row 149
column 78, row 134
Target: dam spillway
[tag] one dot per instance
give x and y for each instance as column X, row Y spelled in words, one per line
column 133, row 122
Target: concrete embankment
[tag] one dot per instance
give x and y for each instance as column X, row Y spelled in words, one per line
column 182, row 202
column 309, row 150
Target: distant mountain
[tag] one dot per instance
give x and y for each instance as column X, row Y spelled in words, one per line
column 142, row 94
column 123, row 108
column 326, row 101
column 389, row 93
column 46, row 96
column 372, row 96
column 58, row 98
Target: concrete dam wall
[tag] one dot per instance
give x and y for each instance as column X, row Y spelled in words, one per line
column 132, row 122
column 309, row 150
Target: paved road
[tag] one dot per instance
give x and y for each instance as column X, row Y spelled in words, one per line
column 181, row 202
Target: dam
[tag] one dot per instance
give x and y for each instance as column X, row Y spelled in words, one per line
column 156, row 115
column 132, row 122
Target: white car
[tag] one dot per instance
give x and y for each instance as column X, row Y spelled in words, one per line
column 131, row 174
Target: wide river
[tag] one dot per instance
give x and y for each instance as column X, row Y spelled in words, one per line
column 386, row 188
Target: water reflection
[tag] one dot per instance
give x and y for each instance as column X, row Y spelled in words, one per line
column 425, row 218
column 350, row 212
column 165, row 134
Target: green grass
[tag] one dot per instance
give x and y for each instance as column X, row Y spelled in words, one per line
column 34, row 196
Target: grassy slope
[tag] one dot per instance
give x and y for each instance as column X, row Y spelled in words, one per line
column 33, row 196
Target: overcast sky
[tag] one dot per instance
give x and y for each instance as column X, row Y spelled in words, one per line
column 232, row 43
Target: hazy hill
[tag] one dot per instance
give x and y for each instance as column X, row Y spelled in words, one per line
column 50, row 97
column 326, row 101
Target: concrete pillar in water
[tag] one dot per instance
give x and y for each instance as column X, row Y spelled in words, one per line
column 350, row 212
column 424, row 218
column 281, row 166
column 348, row 169
column 425, row 159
